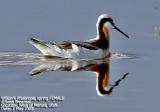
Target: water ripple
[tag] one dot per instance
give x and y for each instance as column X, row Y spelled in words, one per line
column 23, row 59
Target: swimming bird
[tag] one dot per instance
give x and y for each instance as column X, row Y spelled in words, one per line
column 96, row 48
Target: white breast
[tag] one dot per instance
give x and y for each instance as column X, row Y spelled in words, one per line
column 81, row 53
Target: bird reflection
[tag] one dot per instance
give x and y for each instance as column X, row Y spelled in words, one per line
column 100, row 67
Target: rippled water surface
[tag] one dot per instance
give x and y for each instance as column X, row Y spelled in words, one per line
column 127, row 82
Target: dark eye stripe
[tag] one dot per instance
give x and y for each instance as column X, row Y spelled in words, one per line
column 106, row 20
column 110, row 20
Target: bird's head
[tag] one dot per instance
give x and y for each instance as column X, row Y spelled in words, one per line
column 104, row 23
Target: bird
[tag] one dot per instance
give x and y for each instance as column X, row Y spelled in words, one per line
column 96, row 48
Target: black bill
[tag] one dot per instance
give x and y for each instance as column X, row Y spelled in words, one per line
column 121, row 31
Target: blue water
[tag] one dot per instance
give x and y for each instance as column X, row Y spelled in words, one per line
column 75, row 20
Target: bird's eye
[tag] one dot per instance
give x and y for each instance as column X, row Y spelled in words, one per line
column 110, row 20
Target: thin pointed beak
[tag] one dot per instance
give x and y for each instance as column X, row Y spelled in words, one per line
column 115, row 27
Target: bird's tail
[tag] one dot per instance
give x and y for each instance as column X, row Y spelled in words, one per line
column 38, row 41
column 47, row 48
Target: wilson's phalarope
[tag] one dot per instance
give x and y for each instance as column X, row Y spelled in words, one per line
column 95, row 48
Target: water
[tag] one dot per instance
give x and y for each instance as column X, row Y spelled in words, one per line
column 132, row 71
